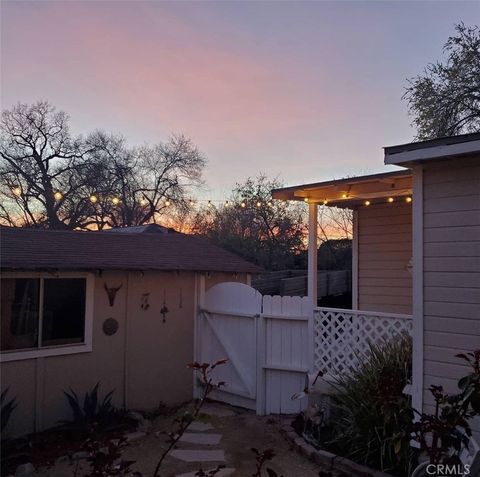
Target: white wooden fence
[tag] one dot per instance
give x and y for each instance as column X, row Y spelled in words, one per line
column 272, row 342
column 266, row 340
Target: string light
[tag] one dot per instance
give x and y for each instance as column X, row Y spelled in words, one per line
column 143, row 201
column 209, row 203
column 408, row 200
column 167, row 203
column 243, row 205
column 259, row 204
column 270, row 203
column 58, row 195
column 306, row 199
column 17, row 191
column 191, row 203
column 226, row 203
column 115, row 200
column 325, row 202
column 93, row 199
column 367, row 203
column 344, row 195
column 390, row 200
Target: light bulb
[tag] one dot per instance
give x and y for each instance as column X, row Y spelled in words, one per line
column 367, row 202
column 58, row 195
column 408, row 199
column 93, row 199
column 17, row 191
column 115, row 201
column 390, row 200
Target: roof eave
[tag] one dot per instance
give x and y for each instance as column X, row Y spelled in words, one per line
column 407, row 158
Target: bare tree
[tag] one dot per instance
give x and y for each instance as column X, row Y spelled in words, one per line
column 50, row 178
column 42, row 166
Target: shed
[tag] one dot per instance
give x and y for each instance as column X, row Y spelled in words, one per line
column 116, row 308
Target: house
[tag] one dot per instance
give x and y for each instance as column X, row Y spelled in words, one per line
column 416, row 260
column 79, row 308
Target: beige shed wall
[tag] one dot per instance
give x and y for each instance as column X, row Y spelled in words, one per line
column 451, row 194
column 153, row 369
column 384, row 250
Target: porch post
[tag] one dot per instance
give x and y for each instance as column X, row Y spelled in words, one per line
column 312, row 252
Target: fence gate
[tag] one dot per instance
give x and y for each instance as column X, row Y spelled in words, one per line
column 267, row 341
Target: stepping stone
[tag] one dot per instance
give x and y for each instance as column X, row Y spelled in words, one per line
column 199, row 455
column 222, row 473
column 200, row 426
column 200, row 438
column 217, row 411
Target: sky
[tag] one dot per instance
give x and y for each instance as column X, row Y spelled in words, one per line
column 303, row 91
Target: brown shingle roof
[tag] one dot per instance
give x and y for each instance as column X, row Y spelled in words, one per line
column 31, row 249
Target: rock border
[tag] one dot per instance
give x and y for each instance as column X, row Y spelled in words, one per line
column 325, row 458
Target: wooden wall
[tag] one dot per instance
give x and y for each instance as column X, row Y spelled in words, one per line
column 451, row 191
column 384, row 251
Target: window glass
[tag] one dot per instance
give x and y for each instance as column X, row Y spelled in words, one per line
column 63, row 311
column 19, row 314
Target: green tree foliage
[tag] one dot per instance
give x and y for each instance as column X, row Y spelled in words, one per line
column 51, row 178
column 269, row 233
column 445, row 99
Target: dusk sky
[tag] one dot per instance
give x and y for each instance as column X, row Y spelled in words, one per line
column 306, row 91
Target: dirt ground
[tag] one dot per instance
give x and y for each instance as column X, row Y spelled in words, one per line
column 240, row 432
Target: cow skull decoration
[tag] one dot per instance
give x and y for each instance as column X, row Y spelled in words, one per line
column 111, row 292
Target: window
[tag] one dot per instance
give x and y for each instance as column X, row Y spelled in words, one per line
column 38, row 313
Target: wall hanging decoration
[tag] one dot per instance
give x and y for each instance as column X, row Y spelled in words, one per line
column 180, row 304
column 164, row 310
column 144, row 301
column 111, row 292
column 110, row 326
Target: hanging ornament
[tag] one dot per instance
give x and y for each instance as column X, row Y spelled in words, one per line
column 164, row 310
column 144, row 301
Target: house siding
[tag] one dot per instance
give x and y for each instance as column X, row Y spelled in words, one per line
column 144, row 361
column 384, row 251
column 451, row 288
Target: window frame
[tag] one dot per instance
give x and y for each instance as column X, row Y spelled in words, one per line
column 55, row 350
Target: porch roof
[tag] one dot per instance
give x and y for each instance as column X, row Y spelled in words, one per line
column 351, row 192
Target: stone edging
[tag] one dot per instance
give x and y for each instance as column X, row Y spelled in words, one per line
column 327, row 459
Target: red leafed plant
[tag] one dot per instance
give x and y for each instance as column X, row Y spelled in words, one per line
column 205, row 371
column 442, row 434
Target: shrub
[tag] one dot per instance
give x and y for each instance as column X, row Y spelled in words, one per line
column 91, row 411
column 6, row 408
column 370, row 411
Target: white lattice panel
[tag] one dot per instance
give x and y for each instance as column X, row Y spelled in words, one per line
column 342, row 335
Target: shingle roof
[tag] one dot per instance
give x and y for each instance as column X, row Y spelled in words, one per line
column 143, row 229
column 33, row 249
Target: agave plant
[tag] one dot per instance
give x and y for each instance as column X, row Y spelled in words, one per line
column 6, row 408
column 91, row 411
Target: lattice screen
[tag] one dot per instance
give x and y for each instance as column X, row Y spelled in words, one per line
column 342, row 335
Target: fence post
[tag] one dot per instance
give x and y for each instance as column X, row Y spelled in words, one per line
column 260, row 354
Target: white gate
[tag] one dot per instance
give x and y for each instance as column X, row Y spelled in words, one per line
column 266, row 340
